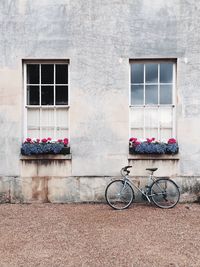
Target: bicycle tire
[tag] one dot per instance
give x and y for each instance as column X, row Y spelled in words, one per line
column 164, row 193
column 119, row 194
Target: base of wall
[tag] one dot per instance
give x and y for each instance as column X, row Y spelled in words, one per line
column 78, row 189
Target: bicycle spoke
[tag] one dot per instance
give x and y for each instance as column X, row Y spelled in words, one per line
column 165, row 193
column 119, row 194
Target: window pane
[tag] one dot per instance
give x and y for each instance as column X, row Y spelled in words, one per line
column 166, row 72
column 32, row 73
column 137, row 73
column 61, row 95
column 151, row 73
column 33, row 118
column 137, row 94
column 62, row 74
column 47, row 95
column 47, row 117
column 151, row 132
column 47, row 73
column 151, row 94
column 137, row 117
column 138, row 133
column 151, row 117
column 166, row 114
column 47, row 131
column 62, row 118
column 33, row 95
column 165, row 134
column 165, row 94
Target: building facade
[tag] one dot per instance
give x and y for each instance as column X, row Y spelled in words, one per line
column 97, row 72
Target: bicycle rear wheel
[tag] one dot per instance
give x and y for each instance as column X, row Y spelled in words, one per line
column 119, row 194
column 164, row 193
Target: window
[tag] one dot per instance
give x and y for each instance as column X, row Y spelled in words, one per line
column 47, row 99
column 152, row 100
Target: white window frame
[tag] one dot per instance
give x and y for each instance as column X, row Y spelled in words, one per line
column 143, row 106
column 40, row 106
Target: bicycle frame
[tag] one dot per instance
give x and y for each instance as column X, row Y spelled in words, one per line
column 127, row 180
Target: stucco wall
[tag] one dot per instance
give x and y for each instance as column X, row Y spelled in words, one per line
column 99, row 38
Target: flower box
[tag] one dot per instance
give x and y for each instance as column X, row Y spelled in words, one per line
column 45, row 146
column 150, row 146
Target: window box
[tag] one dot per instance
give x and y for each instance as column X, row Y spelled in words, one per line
column 45, row 146
column 150, row 146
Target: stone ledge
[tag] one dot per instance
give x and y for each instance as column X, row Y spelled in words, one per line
column 47, row 157
column 153, row 157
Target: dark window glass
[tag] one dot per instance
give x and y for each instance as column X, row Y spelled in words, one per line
column 61, row 95
column 166, row 72
column 137, row 73
column 33, row 74
column 33, row 95
column 151, row 94
column 166, row 94
column 151, row 73
column 47, row 73
column 137, row 94
column 62, row 74
column 47, row 95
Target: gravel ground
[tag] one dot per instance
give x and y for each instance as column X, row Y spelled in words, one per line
column 91, row 235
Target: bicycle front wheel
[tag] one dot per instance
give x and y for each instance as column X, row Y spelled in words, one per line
column 164, row 193
column 119, row 194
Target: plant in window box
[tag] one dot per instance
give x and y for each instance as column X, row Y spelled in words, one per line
column 45, row 146
column 151, row 146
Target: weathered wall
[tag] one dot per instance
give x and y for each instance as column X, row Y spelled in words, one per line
column 99, row 38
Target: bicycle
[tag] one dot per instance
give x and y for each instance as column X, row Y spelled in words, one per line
column 163, row 192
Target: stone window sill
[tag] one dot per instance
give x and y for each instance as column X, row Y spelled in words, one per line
column 153, row 157
column 47, row 157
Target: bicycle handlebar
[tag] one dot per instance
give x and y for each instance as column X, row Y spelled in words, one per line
column 125, row 169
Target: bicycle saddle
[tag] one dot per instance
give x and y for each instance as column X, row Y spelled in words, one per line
column 152, row 169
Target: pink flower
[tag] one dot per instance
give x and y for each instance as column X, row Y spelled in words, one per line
column 150, row 140
column 137, row 143
column 133, row 139
column 37, row 140
column 65, row 141
column 59, row 140
column 44, row 140
column 171, row 141
column 28, row 140
column 49, row 139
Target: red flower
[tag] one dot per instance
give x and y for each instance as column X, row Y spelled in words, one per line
column 44, row 140
column 37, row 140
column 60, row 141
column 171, row 141
column 28, row 140
column 49, row 139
